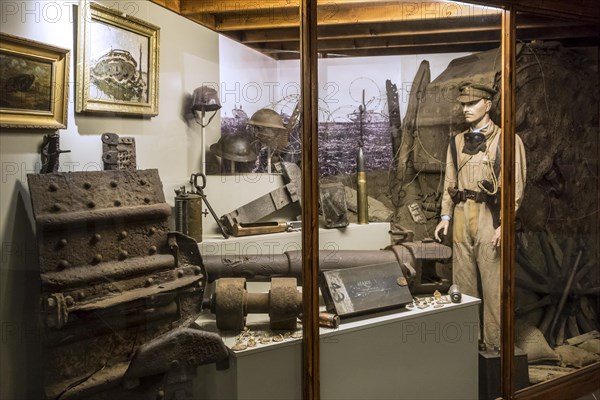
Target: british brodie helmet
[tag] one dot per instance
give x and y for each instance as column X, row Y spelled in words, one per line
column 267, row 118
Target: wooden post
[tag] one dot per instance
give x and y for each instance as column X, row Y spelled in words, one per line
column 310, row 199
column 507, row 214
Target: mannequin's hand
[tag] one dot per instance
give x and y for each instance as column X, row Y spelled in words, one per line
column 496, row 238
column 442, row 226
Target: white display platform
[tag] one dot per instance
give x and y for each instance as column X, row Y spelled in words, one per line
column 413, row 354
column 402, row 354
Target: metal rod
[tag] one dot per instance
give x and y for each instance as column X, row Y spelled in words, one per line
column 203, row 141
column 507, row 213
column 310, row 199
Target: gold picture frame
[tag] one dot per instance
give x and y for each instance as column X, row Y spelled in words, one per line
column 117, row 62
column 33, row 84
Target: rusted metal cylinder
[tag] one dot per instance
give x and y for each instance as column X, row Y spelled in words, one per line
column 336, row 259
column 329, row 320
column 257, row 303
column 259, row 268
column 188, row 213
column 231, row 303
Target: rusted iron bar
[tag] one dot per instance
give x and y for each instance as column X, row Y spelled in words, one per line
column 82, row 275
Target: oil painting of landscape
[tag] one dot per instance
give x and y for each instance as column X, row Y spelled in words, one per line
column 26, row 83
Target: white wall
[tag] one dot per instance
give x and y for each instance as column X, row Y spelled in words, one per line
column 248, row 78
column 189, row 55
column 342, row 80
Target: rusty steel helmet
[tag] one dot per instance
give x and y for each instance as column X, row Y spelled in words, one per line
column 234, row 147
column 205, row 99
column 267, row 118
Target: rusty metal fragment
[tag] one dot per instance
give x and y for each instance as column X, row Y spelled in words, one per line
column 118, row 152
column 113, row 278
column 285, row 196
column 50, row 153
column 333, row 205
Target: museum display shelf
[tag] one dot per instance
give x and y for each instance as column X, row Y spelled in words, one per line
column 395, row 354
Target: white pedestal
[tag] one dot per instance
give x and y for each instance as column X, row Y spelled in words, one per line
column 403, row 354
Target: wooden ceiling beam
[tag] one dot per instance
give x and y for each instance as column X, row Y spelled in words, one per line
column 375, row 29
column 424, row 43
column 173, row 5
column 441, row 7
column 391, row 30
column 339, row 15
column 587, row 10
column 392, row 51
column 387, row 43
column 207, row 20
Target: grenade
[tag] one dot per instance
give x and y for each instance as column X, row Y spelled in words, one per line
column 188, row 213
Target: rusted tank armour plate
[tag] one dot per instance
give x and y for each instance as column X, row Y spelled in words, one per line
column 67, row 364
column 98, row 262
column 183, row 348
column 63, row 193
column 92, row 244
column 99, row 206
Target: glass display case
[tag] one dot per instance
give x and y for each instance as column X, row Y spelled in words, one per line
column 336, row 199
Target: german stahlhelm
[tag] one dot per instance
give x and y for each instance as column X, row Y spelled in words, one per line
column 205, row 99
column 234, row 147
column 267, row 118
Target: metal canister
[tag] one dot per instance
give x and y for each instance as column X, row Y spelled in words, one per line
column 188, row 213
column 455, row 294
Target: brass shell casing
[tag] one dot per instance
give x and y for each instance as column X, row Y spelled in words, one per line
column 362, row 202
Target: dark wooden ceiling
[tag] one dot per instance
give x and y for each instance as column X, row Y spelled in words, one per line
column 349, row 28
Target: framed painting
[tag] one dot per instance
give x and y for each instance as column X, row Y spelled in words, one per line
column 117, row 62
column 33, row 84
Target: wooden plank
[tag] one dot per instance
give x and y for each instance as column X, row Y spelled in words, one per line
column 396, row 29
column 206, row 20
column 172, row 5
column 571, row 386
column 585, row 9
column 294, row 55
column 399, row 43
column 309, row 91
column 508, row 248
column 189, row 7
column 336, row 15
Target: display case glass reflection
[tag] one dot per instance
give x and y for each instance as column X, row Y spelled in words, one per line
column 557, row 282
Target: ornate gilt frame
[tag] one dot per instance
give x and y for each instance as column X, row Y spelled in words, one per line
column 86, row 101
column 58, row 91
